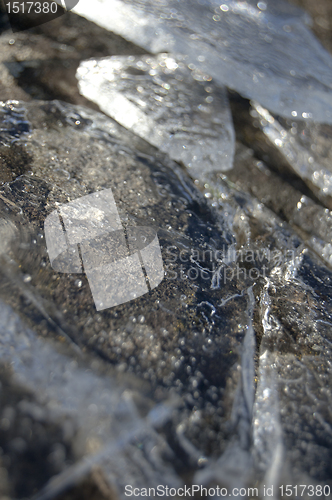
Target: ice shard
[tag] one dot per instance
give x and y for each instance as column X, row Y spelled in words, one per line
column 169, row 339
column 97, row 416
column 291, row 412
column 304, row 147
column 263, row 50
column 307, row 217
column 175, row 108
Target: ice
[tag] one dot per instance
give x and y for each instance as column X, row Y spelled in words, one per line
column 317, row 222
column 307, row 217
column 265, row 50
column 234, row 468
column 242, row 298
column 292, row 400
column 305, row 148
column 100, row 416
column 163, row 101
column 221, row 374
column 168, row 342
column 297, row 394
column 267, row 432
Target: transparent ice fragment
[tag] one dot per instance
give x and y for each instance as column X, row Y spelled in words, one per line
column 178, row 110
column 263, row 50
column 305, row 148
column 295, row 392
column 96, row 411
column 292, row 400
column 317, row 222
column 310, row 219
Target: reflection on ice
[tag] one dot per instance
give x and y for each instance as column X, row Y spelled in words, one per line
column 174, row 108
column 263, row 50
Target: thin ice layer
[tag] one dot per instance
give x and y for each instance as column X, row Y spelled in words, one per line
column 96, row 412
column 170, row 336
column 309, row 218
column 305, row 148
column 263, row 50
column 291, row 418
column 167, row 104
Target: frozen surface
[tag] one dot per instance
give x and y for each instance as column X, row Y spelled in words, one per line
column 13, row 123
column 305, row 147
column 172, row 107
column 221, row 375
column 99, row 416
column 291, row 412
column 242, row 298
column 307, row 217
column 170, row 338
column 265, row 50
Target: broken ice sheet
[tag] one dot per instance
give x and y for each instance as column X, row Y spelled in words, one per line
column 96, row 414
column 291, row 417
column 166, row 103
column 263, row 50
column 169, row 338
column 304, row 147
column 309, row 218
